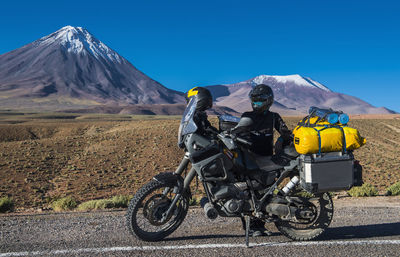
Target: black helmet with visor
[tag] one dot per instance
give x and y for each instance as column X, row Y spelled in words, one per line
column 261, row 97
column 203, row 97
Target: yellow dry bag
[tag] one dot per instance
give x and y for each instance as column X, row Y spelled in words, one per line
column 313, row 135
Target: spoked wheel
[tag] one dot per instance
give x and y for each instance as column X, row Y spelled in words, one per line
column 314, row 214
column 146, row 217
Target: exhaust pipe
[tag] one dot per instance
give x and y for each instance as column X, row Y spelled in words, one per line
column 209, row 209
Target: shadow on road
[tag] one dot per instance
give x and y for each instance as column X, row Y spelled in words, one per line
column 364, row 231
column 338, row 233
column 200, row 237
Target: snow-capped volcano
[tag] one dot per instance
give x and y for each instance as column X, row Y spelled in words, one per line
column 296, row 79
column 71, row 68
column 294, row 94
column 78, row 40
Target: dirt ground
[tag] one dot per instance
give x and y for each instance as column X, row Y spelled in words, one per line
column 44, row 158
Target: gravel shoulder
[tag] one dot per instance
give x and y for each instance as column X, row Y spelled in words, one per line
column 361, row 227
column 377, row 201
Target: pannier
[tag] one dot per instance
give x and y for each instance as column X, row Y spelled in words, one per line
column 227, row 122
column 333, row 171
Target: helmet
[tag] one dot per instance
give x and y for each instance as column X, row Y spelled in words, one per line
column 203, row 97
column 261, row 97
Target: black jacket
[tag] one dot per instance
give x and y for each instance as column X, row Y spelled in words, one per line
column 261, row 133
column 204, row 127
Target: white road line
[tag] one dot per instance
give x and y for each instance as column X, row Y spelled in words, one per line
column 202, row 246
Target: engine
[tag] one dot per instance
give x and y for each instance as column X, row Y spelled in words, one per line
column 231, row 199
column 234, row 206
column 228, row 191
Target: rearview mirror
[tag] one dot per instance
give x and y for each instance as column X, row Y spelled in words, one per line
column 244, row 125
column 245, row 122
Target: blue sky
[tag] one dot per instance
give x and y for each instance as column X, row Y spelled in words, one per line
column 352, row 47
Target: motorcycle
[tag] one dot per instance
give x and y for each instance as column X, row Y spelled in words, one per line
column 288, row 189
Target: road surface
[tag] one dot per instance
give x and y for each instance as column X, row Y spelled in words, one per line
column 359, row 228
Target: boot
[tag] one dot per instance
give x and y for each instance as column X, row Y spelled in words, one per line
column 257, row 227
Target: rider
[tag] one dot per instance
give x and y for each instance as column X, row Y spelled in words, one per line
column 264, row 122
column 204, row 102
column 261, row 136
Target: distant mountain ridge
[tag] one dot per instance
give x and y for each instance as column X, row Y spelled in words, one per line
column 70, row 67
column 294, row 95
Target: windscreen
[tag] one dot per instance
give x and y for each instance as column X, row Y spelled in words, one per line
column 187, row 125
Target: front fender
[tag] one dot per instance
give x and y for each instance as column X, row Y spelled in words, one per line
column 170, row 178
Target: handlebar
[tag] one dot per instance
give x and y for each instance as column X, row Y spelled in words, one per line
column 230, row 139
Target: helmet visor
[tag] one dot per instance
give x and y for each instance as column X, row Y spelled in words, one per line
column 261, row 98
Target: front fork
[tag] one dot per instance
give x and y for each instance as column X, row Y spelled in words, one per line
column 181, row 168
column 188, row 179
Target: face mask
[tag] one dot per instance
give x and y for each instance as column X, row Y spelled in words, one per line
column 259, row 104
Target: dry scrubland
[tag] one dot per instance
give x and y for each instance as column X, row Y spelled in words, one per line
column 45, row 157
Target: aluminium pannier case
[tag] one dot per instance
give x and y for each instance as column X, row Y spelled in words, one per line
column 327, row 172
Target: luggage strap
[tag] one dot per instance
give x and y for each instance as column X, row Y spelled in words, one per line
column 305, row 122
column 344, row 148
column 344, row 140
column 319, row 139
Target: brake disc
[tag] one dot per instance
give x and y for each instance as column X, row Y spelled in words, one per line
column 154, row 209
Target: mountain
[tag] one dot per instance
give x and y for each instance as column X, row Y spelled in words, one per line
column 70, row 68
column 149, row 109
column 294, row 95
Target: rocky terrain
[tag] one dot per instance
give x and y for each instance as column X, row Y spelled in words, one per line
column 45, row 157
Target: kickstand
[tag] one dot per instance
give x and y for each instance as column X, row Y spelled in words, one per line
column 247, row 220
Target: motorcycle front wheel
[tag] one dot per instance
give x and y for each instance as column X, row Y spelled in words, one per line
column 146, row 212
column 314, row 215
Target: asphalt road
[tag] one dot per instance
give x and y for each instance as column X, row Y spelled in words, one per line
column 358, row 229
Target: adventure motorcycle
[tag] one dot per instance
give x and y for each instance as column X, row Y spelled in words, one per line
column 288, row 189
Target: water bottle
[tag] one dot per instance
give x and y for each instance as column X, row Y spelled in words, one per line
column 292, row 183
column 344, row 118
column 331, row 116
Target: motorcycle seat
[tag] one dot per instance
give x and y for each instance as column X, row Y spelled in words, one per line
column 265, row 163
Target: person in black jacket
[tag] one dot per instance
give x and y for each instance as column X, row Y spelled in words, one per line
column 204, row 102
column 264, row 122
column 260, row 134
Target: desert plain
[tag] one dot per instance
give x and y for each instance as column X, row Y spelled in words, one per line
column 47, row 156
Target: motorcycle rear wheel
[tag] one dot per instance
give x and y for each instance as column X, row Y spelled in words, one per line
column 144, row 216
column 322, row 204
